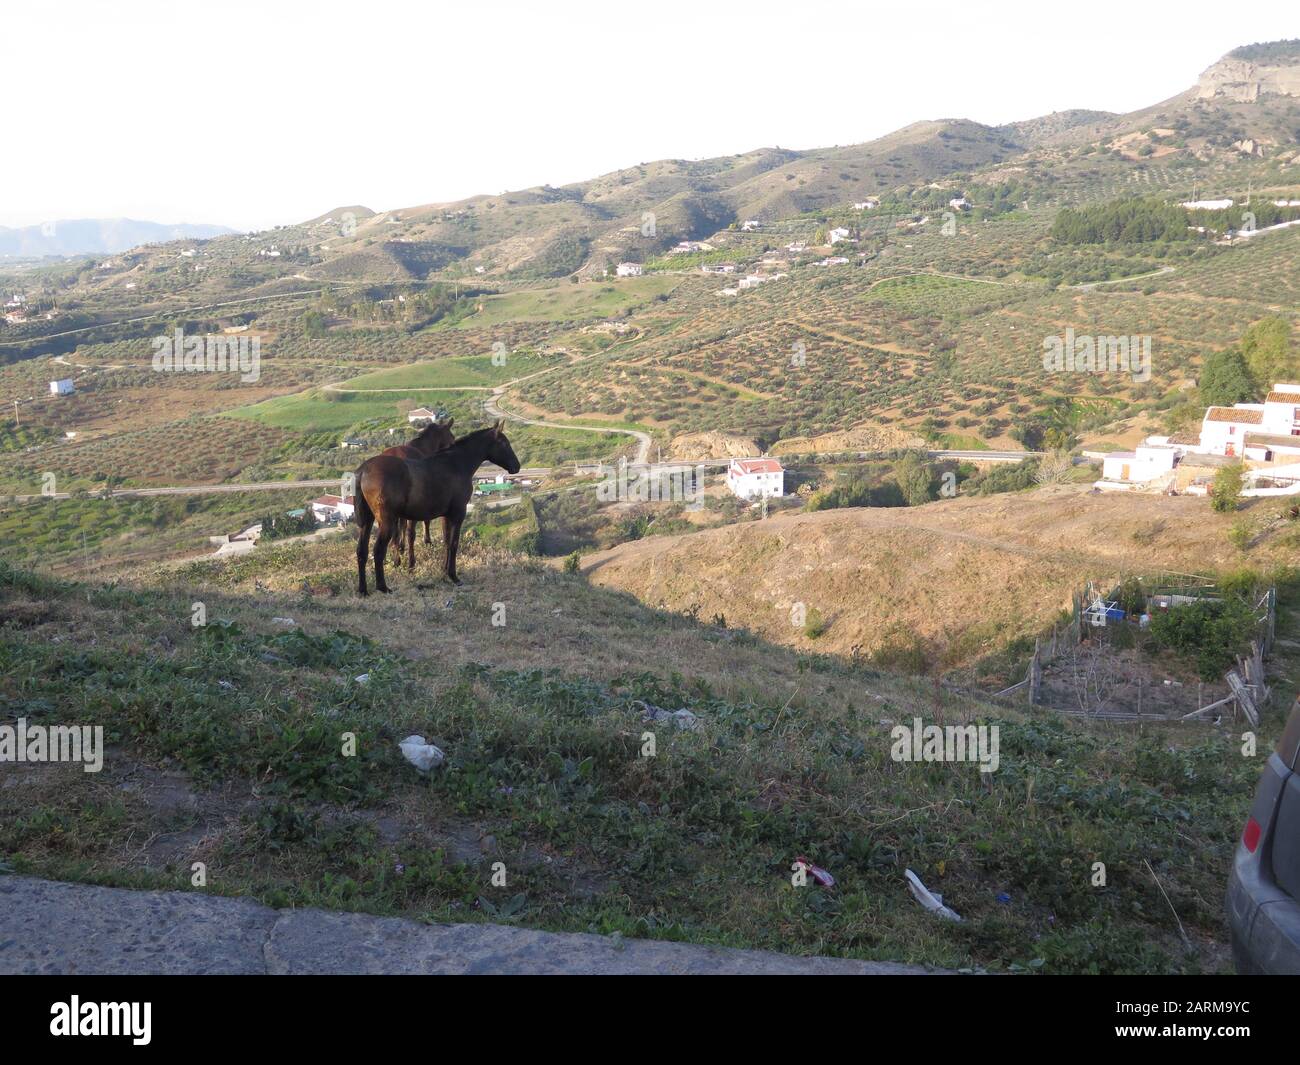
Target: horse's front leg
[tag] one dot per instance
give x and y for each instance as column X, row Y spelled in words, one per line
column 427, row 538
column 453, row 545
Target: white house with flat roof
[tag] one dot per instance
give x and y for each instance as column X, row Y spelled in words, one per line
column 65, row 387
column 1138, row 467
column 629, row 270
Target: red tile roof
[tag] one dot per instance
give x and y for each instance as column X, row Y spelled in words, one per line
column 1283, row 397
column 758, row 465
column 1234, row 414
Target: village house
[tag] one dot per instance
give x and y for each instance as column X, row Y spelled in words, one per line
column 838, row 234
column 421, row 416
column 1138, row 467
column 330, row 509
column 1266, row 433
column 1255, row 430
column 718, row 268
column 756, row 478
column 750, row 225
column 64, row 387
column 866, row 205
column 629, row 270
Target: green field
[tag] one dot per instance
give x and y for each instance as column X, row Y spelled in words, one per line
column 569, row 302
column 317, row 410
column 470, row 371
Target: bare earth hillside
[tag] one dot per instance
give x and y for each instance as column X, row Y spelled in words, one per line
column 965, row 575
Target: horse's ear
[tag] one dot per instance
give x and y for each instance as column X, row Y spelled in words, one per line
column 448, row 422
column 496, row 429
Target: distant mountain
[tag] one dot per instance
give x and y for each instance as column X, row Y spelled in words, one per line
column 96, row 236
column 1243, row 111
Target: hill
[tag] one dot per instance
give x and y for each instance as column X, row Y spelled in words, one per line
column 96, row 236
column 230, row 741
column 958, row 579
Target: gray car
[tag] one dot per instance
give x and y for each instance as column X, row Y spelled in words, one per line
column 1264, row 889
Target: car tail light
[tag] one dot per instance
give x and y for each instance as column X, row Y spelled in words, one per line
column 1251, row 836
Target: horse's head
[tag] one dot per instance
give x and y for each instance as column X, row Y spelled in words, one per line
column 434, row 437
column 500, row 451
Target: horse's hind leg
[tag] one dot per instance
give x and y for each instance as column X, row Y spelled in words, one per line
column 364, row 521
column 427, row 538
column 398, row 540
column 382, row 539
column 410, row 544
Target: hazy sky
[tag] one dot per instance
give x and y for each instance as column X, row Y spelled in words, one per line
column 252, row 114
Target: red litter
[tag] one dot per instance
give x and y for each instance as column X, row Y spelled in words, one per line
column 816, row 872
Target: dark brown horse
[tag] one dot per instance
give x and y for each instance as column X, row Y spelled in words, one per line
column 390, row 489
column 434, row 437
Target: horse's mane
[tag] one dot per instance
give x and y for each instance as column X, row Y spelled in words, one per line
column 427, row 431
column 470, row 436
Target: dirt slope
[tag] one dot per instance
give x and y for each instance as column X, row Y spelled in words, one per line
column 966, row 575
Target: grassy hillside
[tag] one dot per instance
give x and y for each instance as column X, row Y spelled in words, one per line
column 226, row 747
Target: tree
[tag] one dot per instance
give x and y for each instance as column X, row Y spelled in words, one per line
column 913, row 477
column 1226, row 493
column 1054, row 467
column 1226, row 379
column 1266, row 350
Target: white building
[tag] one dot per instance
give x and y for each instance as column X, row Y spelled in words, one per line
column 421, row 415
column 333, row 508
column 1206, row 205
column 1225, row 430
column 749, row 225
column 629, row 270
column 1140, row 466
column 64, row 387
column 866, row 205
column 959, row 203
column 756, row 478
column 838, row 234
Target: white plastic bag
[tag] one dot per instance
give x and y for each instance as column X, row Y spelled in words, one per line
column 424, row 756
column 927, row 898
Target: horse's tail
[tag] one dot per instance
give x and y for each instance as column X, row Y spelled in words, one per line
column 361, row 512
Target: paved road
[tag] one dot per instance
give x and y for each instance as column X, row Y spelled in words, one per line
column 641, row 463
column 644, row 440
column 50, row 927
